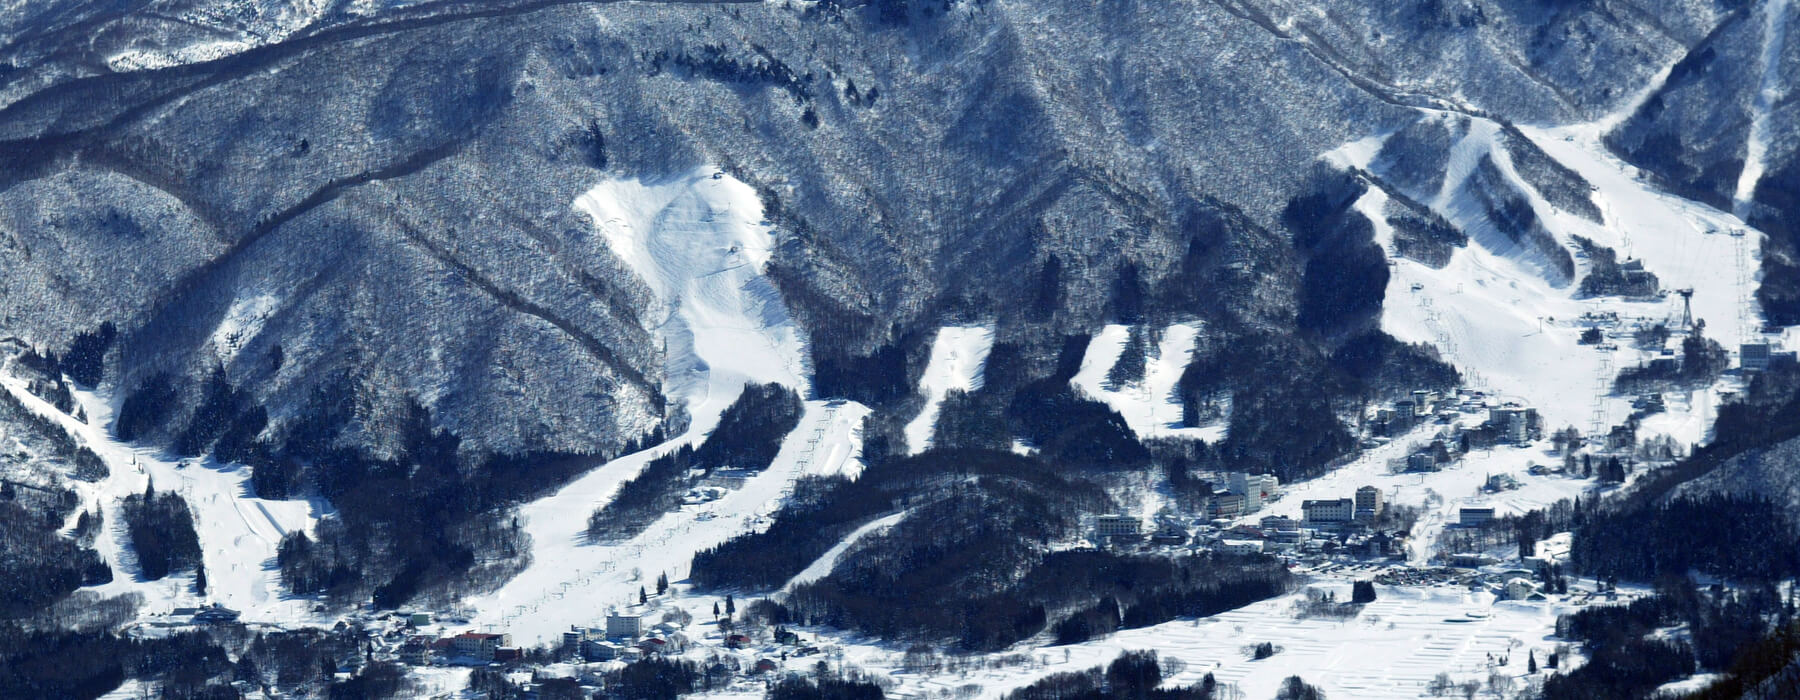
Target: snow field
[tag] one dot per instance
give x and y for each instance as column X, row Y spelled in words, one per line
column 238, row 533
column 1149, row 406
column 1768, row 93
column 1498, row 319
column 571, row 582
column 957, row 356
column 697, row 241
column 1391, row 650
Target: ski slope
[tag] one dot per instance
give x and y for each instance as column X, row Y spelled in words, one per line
column 238, row 533
column 1509, row 327
column 957, row 356
column 697, row 241
column 1149, row 406
column 822, row 566
column 572, row 582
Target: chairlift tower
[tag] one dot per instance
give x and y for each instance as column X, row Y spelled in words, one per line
column 1746, row 301
column 1602, row 388
column 1687, row 308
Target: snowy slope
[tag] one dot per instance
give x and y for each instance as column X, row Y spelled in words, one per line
column 957, row 356
column 823, row 565
column 572, row 582
column 1149, row 406
column 1509, row 327
column 696, row 240
column 238, row 533
column 1391, row 650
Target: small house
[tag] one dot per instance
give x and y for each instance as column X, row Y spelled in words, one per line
column 215, row 615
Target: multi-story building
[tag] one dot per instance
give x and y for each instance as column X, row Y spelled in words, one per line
column 1260, row 486
column 1515, row 423
column 479, row 645
column 1226, row 505
column 1754, row 356
column 1368, row 503
column 1424, row 402
column 1107, row 526
column 1336, row 510
column 624, row 626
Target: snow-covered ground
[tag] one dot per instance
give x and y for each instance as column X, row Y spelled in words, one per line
column 696, row 239
column 1440, row 494
column 572, row 582
column 1513, row 330
column 238, row 533
column 1149, row 405
column 958, row 354
column 1392, row 649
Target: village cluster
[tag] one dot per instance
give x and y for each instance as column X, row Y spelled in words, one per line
column 1360, row 523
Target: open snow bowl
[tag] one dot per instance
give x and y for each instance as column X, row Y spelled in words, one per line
column 698, row 241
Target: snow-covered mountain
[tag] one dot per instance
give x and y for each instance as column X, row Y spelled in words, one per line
column 394, row 295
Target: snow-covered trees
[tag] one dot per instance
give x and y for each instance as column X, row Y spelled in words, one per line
column 162, row 533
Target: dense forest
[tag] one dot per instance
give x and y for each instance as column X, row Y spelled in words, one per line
column 80, row 664
column 162, row 534
column 91, row 660
column 1701, row 362
column 1645, row 532
column 1733, row 537
column 38, row 565
column 60, row 448
column 1732, row 631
